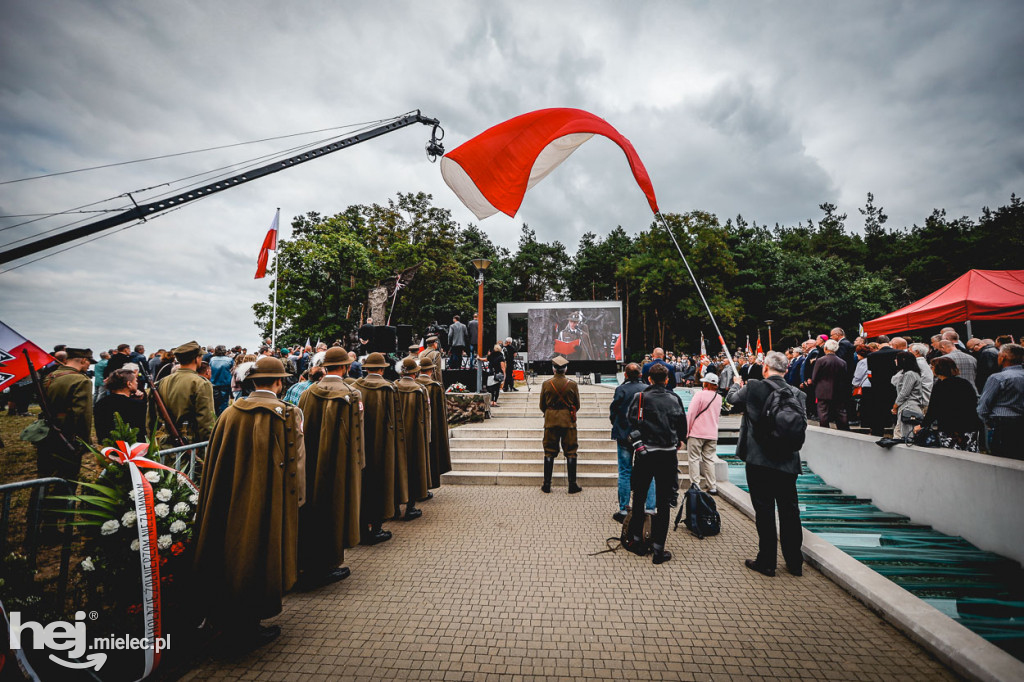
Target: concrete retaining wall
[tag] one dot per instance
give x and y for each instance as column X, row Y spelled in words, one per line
column 978, row 497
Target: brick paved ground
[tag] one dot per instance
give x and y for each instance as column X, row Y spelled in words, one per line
column 495, row 583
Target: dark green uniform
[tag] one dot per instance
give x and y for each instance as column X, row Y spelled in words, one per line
column 69, row 394
column 189, row 401
column 559, row 401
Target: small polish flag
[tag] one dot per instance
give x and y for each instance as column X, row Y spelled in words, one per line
column 269, row 244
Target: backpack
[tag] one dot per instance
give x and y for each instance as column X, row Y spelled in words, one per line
column 645, row 535
column 782, row 426
column 702, row 517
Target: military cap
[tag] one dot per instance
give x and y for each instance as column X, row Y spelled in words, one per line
column 267, row 367
column 425, row 363
column 81, row 353
column 414, row 348
column 576, row 316
column 375, row 361
column 432, row 338
column 186, row 348
column 336, row 356
column 410, row 366
column 559, row 361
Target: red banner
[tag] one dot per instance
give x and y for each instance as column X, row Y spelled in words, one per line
column 13, row 366
column 566, row 347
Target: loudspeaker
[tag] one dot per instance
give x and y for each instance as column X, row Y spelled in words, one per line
column 404, row 336
column 385, row 340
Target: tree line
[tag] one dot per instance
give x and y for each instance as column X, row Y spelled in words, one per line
column 806, row 278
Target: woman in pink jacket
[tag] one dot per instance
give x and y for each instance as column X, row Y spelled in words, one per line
column 702, row 433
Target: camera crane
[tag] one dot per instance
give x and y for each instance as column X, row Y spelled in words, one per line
column 141, row 212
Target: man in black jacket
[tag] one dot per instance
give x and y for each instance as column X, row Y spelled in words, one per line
column 618, row 414
column 658, row 414
column 771, row 481
column 881, row 368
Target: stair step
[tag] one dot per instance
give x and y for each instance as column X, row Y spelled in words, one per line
column 527, row 453
column 558, row 479
column 532, row 465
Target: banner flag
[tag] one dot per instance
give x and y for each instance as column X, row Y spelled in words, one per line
column 269, row 244
column 13, row 366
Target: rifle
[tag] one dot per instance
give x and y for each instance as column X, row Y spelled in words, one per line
column 161, row 408
column 44, row 405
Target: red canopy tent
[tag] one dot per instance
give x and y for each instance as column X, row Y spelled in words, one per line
column 976, row 295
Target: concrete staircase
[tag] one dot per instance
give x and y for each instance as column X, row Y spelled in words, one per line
column 507, row 449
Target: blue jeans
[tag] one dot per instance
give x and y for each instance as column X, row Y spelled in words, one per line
column 221, row 396
column 625, row 475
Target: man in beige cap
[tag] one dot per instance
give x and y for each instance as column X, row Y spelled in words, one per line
column 385, row 475
column 189, row 397
column 559, row 401
column 329, row 521
column 247, row 519
column 433, row 353
column 440, row 448
column 414, row 404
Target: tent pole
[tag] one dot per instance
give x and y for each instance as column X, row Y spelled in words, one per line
column 969, row 334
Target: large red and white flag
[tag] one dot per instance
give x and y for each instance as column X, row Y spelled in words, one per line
column 13, row 366
column 269, row 244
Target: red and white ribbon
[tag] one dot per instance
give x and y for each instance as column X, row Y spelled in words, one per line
column 134, row 457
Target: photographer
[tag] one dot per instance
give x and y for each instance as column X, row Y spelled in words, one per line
column 659, row 430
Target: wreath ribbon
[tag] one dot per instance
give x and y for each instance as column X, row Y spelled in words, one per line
column 134, row 457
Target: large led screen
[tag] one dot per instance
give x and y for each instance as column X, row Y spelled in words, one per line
column 574, row 333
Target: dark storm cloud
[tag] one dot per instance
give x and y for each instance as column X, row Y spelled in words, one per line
column 761, row 109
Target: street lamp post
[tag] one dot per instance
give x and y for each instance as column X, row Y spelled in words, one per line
column 480, row 264
column 769, row 323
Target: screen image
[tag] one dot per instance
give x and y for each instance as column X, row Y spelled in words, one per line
column 574, row 333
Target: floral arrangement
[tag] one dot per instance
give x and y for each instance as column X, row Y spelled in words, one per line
column 457, row 388
column 108, row 512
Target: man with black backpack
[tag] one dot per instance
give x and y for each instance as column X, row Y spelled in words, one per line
column 771, row 435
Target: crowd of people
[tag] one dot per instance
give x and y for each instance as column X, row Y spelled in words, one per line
column 943, row 392
column 285, row 486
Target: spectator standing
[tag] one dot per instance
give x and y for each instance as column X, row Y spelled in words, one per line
column 138, row 356
column 876, row 406
column 934, row 352
column 967, row 365
column 770, row 480
column 793, row 372
column 658, row 358
column 830, row 381
column 952, row 409
column 458, row 341
column 987, row 357
column 123, row 398
column 365, row 335
column 950, row 334
column 1001, row 406
column 321, row 350
column 510, row 365
column 473, row 327
column 295, row 391
column 495, row 366
column 356, row 370
column 702, row 434
column 909, row 396
column 927, row 376
column 220, row 377
column 846, row 350
column 242, row 364
column 99, row 370
column 118, row 359
column 155, row 361
column 618, row 414
column 861, row 385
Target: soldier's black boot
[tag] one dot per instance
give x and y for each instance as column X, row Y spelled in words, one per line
column 570, row 466
column 549, row 466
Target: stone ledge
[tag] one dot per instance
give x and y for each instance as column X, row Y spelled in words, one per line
column 966, row 652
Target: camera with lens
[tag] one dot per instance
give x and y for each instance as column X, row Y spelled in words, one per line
column 636, row 443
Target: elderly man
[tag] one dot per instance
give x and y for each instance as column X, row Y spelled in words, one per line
column 1001, row 406
column 770, row 480
column 920, row 350
column 967, row 365
column 984, row 351
column 831, row 383
column 658, row 358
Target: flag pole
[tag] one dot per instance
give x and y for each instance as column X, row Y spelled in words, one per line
column 721, row 339
column 277, row 276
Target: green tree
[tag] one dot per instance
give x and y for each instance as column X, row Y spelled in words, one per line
column 539, row 268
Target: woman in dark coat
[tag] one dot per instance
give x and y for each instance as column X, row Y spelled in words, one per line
column 496, row 365
column 122, row 398
column 953, row 408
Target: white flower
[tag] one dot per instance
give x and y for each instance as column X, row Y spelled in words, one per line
column 128, row 520
column 164, row 494
column 162, row 510
column 163, row 542
column 193, row 498
column 109, row 527
column 135, row 545
column 181, row 508
column 153, row 476
column 178, row 526
column 87, row 564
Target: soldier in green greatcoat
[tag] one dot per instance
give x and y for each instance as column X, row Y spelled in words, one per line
column 188, row 396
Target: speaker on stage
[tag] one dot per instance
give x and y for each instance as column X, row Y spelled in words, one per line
column 404, row 335
column 385, row 340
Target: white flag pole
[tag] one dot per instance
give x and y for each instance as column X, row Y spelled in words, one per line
column 277, row 275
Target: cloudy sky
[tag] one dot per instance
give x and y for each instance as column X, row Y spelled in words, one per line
column 763, row 109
